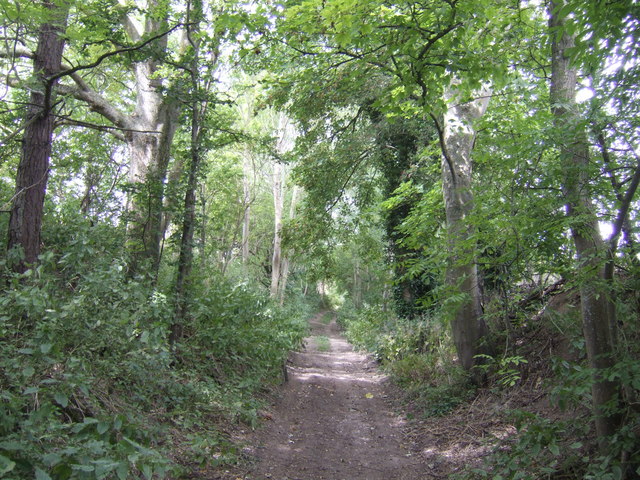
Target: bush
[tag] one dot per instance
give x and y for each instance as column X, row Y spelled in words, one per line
column 417, row 353
column 88, row 385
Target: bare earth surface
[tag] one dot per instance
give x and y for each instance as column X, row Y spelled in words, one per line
column 334, row 420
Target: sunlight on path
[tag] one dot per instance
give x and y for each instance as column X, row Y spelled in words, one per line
column 333, row 421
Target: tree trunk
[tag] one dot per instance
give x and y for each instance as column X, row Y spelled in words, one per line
column 246, row 201
column 277, row 238
column 25, row 221
column 284, row 144
column 185, row 260
column 149, row 144
column 357, row 284
column 203, row 228
column 149, row 133
column 457, row 139
column 284, row 277
column 595, row 294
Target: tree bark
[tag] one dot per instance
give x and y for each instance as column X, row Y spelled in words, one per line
column 25, row 221
column 154, row 123
column 246, row 202
column 457, row 140
column 149, row 133
column 357, row 284
column 286, row 262
column 595, row 294
column 277, row 235
column 284, row 144
column 185, row 260
column 149, row 146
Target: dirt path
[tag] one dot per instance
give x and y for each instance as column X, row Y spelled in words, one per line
column 334, row 420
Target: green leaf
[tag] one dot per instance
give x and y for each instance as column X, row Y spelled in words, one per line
column 553, row 448
column 45, row 348
column 61, row 399
column 51, row 459
column 147, row 470
column 28, row 372
column 12, row 445
column 102, row 427
column 123, row 470
column 83, row 468
column 117, row 423
column 6, row 465
column 41, row 474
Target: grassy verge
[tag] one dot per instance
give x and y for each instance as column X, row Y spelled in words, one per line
column 322, row 343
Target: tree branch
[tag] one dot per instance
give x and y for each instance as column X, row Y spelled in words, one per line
column 363, row 155
column 98, row 104
column 115, row 131
column 104, row 56
column 443, row 147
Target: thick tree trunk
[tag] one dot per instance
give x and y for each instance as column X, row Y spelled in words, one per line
column 149, row 133
column 25, row 221
column 149, row 143
column 458, row 136
column 595, row 292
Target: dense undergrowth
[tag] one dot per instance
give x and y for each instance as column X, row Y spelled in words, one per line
column 418, row 354
column 89, row 386
column 540, row 372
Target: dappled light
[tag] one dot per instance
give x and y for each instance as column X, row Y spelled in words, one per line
column 319, row 240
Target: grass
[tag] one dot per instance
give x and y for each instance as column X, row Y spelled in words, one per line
column 323, row 343
column 326, row 318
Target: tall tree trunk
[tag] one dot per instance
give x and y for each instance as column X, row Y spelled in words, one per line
column 246, row 201
column 285, row 139
column 286, row 262
column 357, row 284
column 595, row 292
column 278, row 171
column 25, row 221
column 185, row 260
column 457, row 139
column 149, row 144
column 203, row 228
column 149, row 134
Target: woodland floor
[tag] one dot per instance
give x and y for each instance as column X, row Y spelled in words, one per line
column 339, row 418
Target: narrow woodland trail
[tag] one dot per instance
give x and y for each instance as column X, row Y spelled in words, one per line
column 334, row 420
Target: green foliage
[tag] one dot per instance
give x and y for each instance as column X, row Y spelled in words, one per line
column 363, row 328
column 417, row 354
column 390, row 338
column 89, row 388
column 504, row 369
column 322, row 343
column 432, row 384
column 540, row 451
column 326, row 318
column 548, row 448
